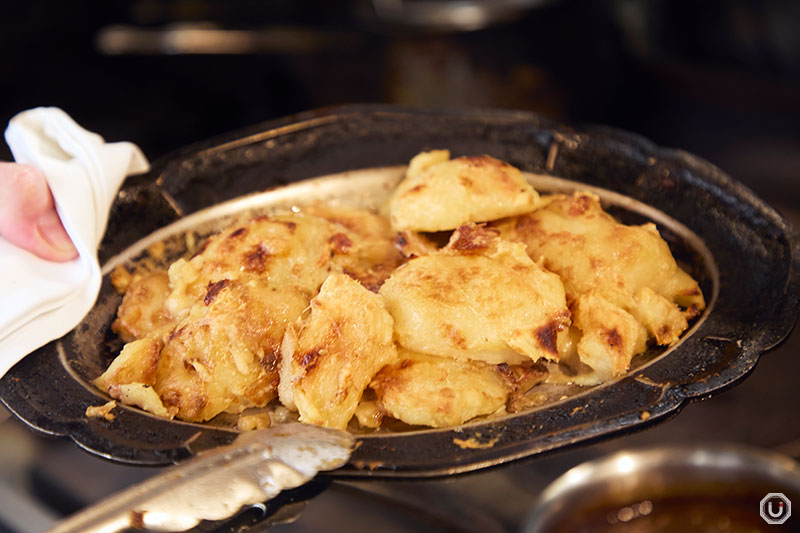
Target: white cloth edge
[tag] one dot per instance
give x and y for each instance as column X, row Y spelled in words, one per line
column 84, row 174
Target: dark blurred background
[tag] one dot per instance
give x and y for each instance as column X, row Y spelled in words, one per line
column 719, row 78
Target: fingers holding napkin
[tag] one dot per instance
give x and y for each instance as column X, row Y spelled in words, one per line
column 44, row 300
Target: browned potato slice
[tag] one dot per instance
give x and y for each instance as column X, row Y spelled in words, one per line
column 478, row 298
column 233, row 300
column 622, row 282
column 287, row 250
column 660, row 316
column 330, row 357
column 290, row 250
column 425, row 390
column 142, row 310
column 366, row 249
column 223, row 356
column 136, row 363
column 576, row 239
column 610, row 338
column 140, row 395
column 413, row 244
column 439, row 194
column 131, row 376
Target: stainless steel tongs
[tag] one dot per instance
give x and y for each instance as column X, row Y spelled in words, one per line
column 255, row 468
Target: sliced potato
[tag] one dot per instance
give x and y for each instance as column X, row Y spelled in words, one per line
column 479, row 298
column 329, row 358
column 623, row 285
column 588, row 248
column 142, row 396
column 439, row 194
column 223, row 356
column 426, row 390
column 136, row 363
column 366, row 250
column 142, row 312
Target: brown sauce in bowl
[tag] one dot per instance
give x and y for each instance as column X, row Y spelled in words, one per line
column 706, row 508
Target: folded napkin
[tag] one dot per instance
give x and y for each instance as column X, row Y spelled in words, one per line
column 43, row 300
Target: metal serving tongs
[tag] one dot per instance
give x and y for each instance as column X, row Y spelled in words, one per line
column 255, row 468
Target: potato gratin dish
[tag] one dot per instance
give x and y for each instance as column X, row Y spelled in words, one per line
column 344, row 316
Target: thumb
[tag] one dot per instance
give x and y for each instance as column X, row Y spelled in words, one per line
column 28, row 217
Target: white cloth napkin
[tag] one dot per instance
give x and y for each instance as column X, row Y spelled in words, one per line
column 43, row 300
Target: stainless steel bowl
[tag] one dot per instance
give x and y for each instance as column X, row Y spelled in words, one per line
column 711, row 487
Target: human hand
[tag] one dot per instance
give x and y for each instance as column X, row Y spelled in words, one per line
column 28, row 217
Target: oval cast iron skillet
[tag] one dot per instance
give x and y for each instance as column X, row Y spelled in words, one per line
column 745, row 255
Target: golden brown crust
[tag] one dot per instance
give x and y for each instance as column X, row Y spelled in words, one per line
column 286, row 305
column 421, row 389
column 142, row 311
column 476, row 189
column 478, row 298
column 575, row 238
column 364, row 248
column 330, row 357
column 137, row 363
column 622, row 282
column 232, row 301
column 223, row 356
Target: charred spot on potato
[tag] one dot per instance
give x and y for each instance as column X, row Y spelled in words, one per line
column 269, row 361
column 175, row 333
column 370, row 280
column 546, row 335
column 255, row 260
column 309, row 360
column 579, row 205
column 237, row 233
column 613, row 338
column 213, row 288
column 202, row 249
column 472, row 238
column 452, row 333
column 523, row 377
column 340, row 243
